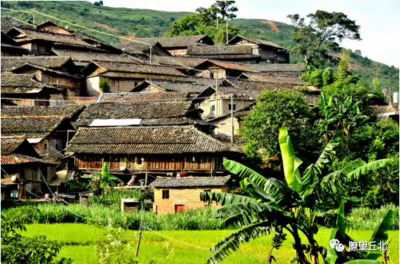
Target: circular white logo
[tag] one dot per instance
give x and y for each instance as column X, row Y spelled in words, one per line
column 339, row 247
column 333, row 243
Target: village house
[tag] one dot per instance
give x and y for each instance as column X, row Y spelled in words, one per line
column 269, row 51
column 123, row 76
column 71, row 111
column 179, row 194
column 141, row 109
column 141, row 49
column 179, row 62
column 170, row 86
column 48, row 134
column 151, row 97
column 233, row 53
column 177, row 46
column 218, row 69
column 23, row 170
column 82, row 58
column 10, row 48
column 72, row 86
column 7, row 23
column 62, row 64
column 139, row 153
column 24, row 90
column 229, row 124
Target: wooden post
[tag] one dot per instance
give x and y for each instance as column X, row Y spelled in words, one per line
column 232, row 118
column 216, row 97
column 145, row 179
column 140, row 227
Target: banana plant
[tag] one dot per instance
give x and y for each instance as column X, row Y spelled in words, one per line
column 289, row 205
column 380, row 236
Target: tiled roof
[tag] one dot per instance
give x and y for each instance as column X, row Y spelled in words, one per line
column 41, row 111
column 143, row 49
column 192, row 181
column 166, row 112
column 278, row 67
column 256, row 41
column 173, row 42
column 182, row 62
column 9, row 63
column 225, row 65
column 138, row 68
column 176, row 86
column 215, row 50
column 10, row 144
column 15, row 159
column 274, row 79
column 51, row 37
column 140, row 97
column 30, row 127
column 144, row 140
column 86, row 56
column 19, row 80
column 8, row 23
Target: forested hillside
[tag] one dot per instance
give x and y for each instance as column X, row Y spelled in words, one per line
column 131, row 23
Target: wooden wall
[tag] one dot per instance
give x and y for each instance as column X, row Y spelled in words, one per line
column 151, row 163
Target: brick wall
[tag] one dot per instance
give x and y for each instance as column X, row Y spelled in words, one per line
column 189, row 197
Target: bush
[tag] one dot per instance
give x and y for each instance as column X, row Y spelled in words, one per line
column 105, row 216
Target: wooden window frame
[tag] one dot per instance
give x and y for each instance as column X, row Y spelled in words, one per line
column 165, row 194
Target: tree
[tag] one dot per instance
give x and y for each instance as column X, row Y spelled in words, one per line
column 291, row 205
column 320, row 34
column 104, row 85
column 226, row 9
column 205, row 22
column 98, row 3
column 272, row 111
column 103, row 179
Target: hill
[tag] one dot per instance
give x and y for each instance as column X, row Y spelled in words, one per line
column 132, row 23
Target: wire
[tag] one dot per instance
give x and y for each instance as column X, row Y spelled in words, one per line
column 76, row 25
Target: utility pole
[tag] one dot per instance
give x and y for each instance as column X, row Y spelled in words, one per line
column 33, row 16
column 216, row 97
column 227, row 32
column 232, row 118
column 151, row 47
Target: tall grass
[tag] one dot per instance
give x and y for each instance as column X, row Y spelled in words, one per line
column 367, row 219
column 104, row 216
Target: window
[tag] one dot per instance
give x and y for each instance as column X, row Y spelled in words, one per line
column 230, row 107
column 139, row 160
column 212, row 108
column 207, row 190
column 165, row 194
column 14, row 193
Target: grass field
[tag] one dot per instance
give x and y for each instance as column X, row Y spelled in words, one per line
column 80, row 242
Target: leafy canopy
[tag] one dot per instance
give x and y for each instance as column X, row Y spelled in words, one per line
column 321, row 33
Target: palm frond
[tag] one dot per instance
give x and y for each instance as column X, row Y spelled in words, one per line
column 245, row 214
column 270, row 189
column 368, row 167
column 231, row 243
column 381, row 234
column 226, row 198
column 290, row 162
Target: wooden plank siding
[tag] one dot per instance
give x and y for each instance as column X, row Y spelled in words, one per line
column 151, row 163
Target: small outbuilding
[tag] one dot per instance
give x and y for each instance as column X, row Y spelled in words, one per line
column 179, row 194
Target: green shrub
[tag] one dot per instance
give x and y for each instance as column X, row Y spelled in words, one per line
column 101, row 215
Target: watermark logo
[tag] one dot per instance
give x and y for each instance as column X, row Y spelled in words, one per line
column 335, row 243
column 358, row 246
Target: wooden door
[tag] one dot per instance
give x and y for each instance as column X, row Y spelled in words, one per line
column 179, row 208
